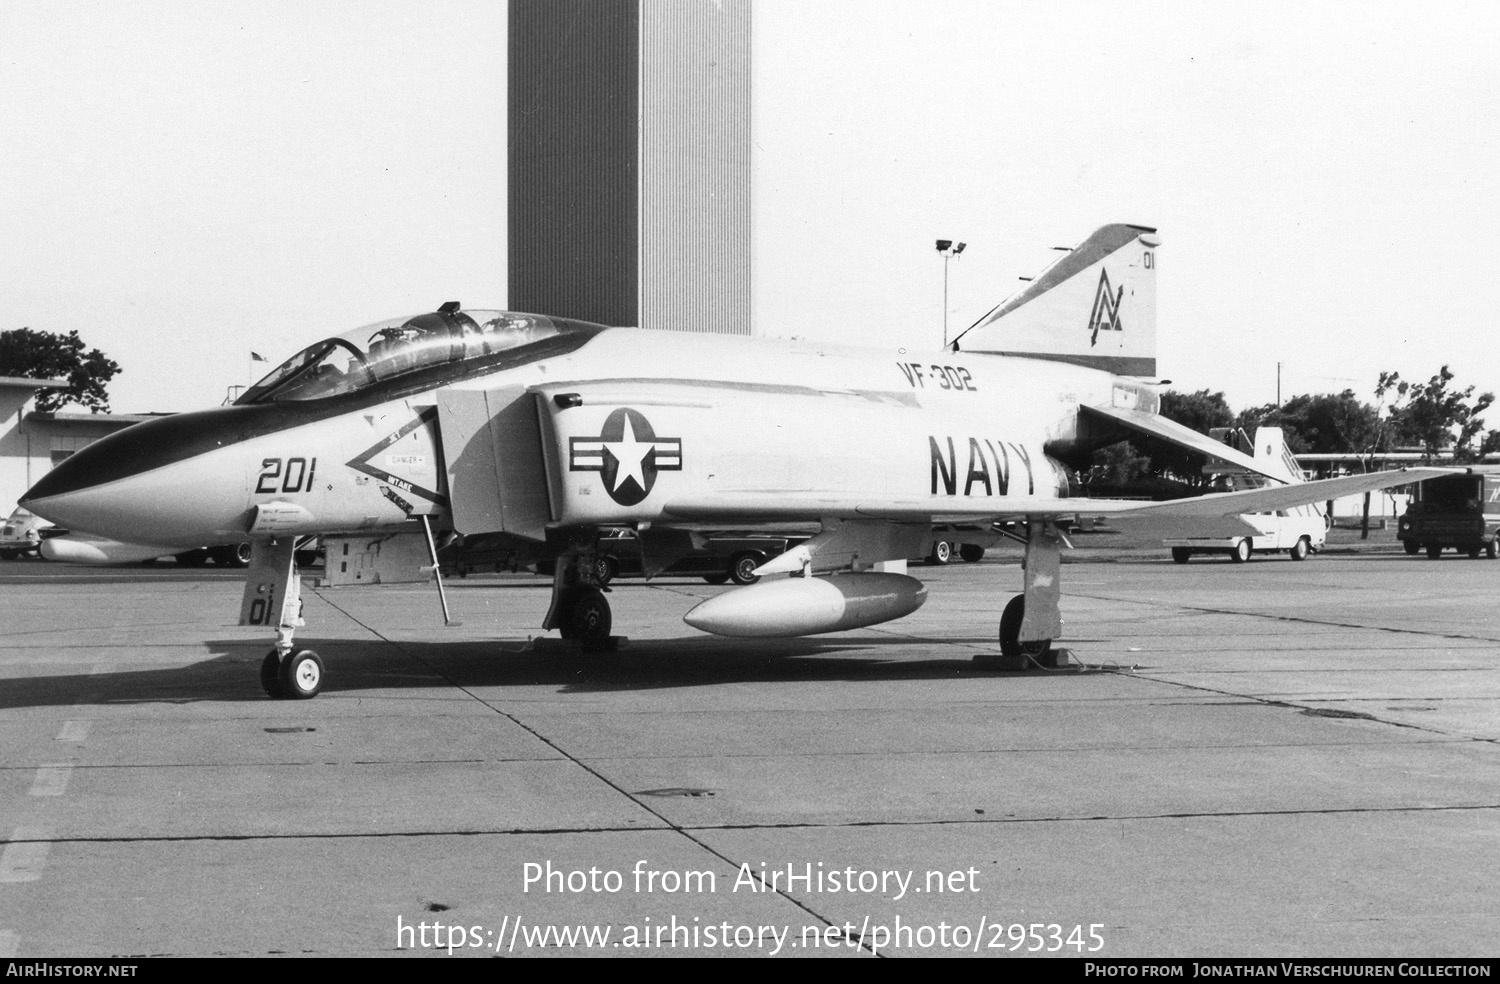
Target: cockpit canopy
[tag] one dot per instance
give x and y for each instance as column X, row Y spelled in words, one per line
column 375, row 353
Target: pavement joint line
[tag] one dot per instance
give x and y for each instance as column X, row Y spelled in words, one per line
column 629, row 796
column 34, row 837
column 1310, row 707
column 287, row 764
column 1296, row 619
column 25, row 855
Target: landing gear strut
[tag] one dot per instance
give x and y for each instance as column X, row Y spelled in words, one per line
column 1033, row 619
column 580, row 611
column 273, row 596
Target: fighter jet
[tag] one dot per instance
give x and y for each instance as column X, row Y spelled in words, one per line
column 527, row 435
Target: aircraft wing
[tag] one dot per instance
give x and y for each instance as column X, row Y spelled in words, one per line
column 1208, row 515
column 1184, row 437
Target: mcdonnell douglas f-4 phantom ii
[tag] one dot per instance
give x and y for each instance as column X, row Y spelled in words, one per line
column 530, row 434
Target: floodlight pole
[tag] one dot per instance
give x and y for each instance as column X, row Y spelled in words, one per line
column 949, row 249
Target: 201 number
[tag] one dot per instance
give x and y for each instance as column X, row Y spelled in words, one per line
column 297, row 475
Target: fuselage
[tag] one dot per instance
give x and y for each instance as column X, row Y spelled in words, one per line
column 630, row 422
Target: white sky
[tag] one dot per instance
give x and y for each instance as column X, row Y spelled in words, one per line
column 184, row 182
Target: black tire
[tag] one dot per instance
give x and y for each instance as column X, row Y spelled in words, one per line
column 1492, row 549
column 270, row 676
column 971, row 553
column 9, row 554
column 1180, row 555
column 1473, row 551
column 716, row 578
column 605, row 569
column 1242, row 551
column 742, row 568
column 1434, row 551
column 1010, row 634
column 942, row 552
column 586, row 616
column 1302, row 550
column 1412, row 547
column 301, row 675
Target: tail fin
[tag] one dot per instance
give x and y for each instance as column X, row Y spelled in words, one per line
column 1095, row 307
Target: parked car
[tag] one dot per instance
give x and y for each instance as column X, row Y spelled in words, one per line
column 22, row 534
column 724, row 557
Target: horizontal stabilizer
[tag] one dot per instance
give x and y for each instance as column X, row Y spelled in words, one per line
column 1160, row 427
column 1231, row 504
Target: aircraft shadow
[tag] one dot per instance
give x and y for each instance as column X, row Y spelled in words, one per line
column 233, row 674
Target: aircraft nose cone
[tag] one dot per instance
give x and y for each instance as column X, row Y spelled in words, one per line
column 149, row 483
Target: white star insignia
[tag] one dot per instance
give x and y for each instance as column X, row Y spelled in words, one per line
column 631, row 456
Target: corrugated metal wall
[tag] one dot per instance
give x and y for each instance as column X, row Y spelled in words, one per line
column 573, row 156
column 630, row 162
column 696, row 227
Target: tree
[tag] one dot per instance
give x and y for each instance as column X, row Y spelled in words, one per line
column 1433, row 416
column 31, row 354
column 1202, row 411
column 1326, row 423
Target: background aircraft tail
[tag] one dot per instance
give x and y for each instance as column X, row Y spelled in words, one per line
column 1095, row 307
column 1272, row 452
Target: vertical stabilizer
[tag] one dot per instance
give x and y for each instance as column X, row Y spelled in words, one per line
column 1095, row 307
column 1272, row 452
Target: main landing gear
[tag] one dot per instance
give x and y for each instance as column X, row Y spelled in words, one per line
column 1031, row 620
column 580, row 611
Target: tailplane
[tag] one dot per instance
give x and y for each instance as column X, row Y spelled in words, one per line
column 1095, row 307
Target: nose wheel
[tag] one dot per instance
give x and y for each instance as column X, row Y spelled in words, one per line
column 296, row 676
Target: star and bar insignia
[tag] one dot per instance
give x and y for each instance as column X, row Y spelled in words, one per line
column 627, row 454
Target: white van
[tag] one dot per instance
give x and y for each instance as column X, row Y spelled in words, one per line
column 1301, row 532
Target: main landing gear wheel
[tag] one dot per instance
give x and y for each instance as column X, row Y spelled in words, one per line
column 1010, row 636
column 971, row 553
column 586, row 616
column 1180, row 555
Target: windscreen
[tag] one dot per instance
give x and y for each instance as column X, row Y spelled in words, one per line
column 361, row 358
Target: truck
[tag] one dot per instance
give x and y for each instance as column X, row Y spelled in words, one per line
column 1300, row 532
column 1459, row 512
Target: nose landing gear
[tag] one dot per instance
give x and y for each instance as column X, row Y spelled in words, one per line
column 296, row 676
